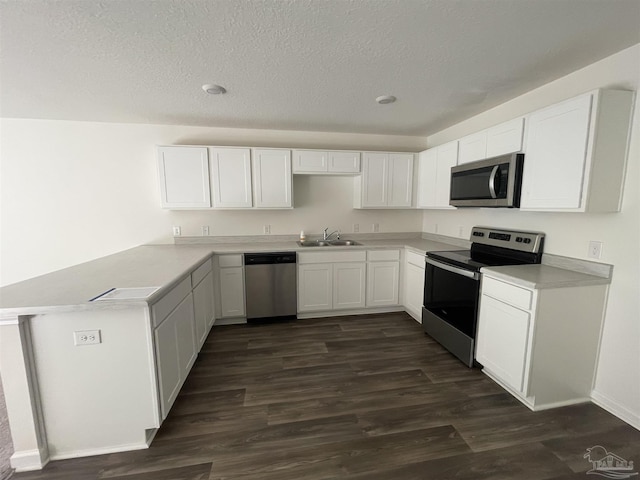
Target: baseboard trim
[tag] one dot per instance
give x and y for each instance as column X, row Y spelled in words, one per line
column 345, row 313
column 616, row 409
column 563, row 403
column 230, row 321
column 99, row 451
column 29, row 460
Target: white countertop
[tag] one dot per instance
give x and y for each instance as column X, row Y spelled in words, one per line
column 543, row 276
column 161, row 266
column 73, row 287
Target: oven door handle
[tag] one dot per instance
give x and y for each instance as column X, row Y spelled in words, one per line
column 452, row 269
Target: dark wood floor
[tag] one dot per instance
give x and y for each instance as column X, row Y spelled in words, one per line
column 367, row 397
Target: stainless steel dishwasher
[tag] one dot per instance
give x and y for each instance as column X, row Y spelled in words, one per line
column 270, row 283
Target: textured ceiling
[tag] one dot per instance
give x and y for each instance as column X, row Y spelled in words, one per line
column 295, row 64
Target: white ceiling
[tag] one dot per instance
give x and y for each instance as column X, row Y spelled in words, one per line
column 295, row 64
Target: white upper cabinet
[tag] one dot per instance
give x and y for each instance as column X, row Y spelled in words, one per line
column 344, row 162
column 576, row 154
column 386, row 181
column 400, row 180
column 498, row 140
column 505, row 138
column 375, row 176
column 231, row 177
column 473, row 147
column 434, row 177
column 184, row 177
column 325, row 162
column 310, row 161
column 272, row 178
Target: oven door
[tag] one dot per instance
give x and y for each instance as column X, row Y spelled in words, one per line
column 451, row 307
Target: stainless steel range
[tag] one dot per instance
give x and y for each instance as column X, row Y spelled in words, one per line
column 452, row 284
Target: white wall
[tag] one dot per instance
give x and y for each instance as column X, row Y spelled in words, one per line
column 618, row 379
column 75, row 191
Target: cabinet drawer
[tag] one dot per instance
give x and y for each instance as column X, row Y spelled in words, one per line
column 506, row 292
column 163, row 307
column 416, row 259
column 331, row 257
column 383, row 255
column 200, row 272
column 230, row 260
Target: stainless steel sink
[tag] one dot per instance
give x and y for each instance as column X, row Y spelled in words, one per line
column 343, row 243
column 327, row 243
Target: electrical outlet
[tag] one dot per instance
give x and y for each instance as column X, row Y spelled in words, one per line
column 267, row 229
column 375, row 227
column 461, row 231
column 176, row 231
column 86, row 337
column 205, row 230
column 356, row 227
column 595, row 249
column 435, row 228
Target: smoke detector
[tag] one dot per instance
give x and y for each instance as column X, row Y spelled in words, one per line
column 213, row 89
column 384, row 99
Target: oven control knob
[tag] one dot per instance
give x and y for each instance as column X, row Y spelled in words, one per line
column 519, row 239
column 527, row 240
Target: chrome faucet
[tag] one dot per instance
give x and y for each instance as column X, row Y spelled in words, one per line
column 326, row 236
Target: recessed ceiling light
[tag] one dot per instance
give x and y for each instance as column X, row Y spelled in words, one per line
column 384, row 99
column 213, row 89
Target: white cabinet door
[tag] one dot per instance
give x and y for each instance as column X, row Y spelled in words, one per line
column 400, row 180
column 232, row 292
column 505, row 138
column 427, row 174
column 503, row 336
column 166, row 340
column 306, row 161
column 203, row 308
column 184, row 177
column 187, row 350
column 447, row 158
column 414, row 289
column 175, row 351
column 382, row 284
column 272, row 178
column 231, row 177
column 555, row 160
column 375, row 175
column 473, row 147
column 344, row 162
column 349, row 285
column 315, row 287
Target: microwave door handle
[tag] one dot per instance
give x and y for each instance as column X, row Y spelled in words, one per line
column 492, row 181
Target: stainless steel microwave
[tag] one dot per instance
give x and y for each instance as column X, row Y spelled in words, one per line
column 494, row 182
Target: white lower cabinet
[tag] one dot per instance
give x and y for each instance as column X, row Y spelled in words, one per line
column 505, row 358
column 176, row 351
column 231, row 277
column 331, row 280
column 540, row 344
column 383, row 270
column 413, row 290
column 349, row 285
column 203, row 305
column 315, row 287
